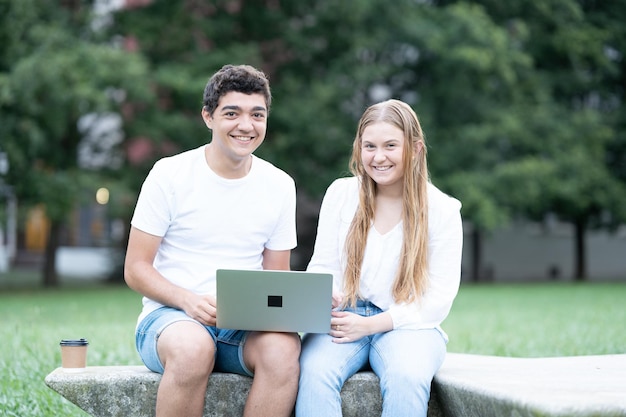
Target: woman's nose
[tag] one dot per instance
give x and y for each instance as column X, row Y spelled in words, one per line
column 379, row 155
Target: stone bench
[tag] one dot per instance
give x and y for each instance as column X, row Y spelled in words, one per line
column 124, row 391
column 577, row 386
column 466, row 385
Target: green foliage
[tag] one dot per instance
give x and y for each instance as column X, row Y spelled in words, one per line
column 53, row 71
column 567, row 129
column 522, row 102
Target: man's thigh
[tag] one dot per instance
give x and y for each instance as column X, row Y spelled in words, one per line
column 168, row 331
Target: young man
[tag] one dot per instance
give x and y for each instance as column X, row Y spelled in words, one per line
column 217, row 206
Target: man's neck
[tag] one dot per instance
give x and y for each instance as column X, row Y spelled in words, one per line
column 225, row 167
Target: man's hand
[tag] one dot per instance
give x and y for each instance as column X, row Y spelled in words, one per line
column 202, row 308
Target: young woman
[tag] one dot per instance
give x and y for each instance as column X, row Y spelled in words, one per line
column 393, row 243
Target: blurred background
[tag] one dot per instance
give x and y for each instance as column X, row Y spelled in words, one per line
column 522, row 104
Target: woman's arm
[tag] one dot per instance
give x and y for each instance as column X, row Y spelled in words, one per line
column 445, row 248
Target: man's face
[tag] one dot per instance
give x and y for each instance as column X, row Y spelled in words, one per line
column 239, row 124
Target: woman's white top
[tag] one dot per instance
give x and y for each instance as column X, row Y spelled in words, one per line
column 382, row 254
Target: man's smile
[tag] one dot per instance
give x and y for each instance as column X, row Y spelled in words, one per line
column 242, row 138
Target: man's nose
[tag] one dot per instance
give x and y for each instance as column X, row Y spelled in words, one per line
column 245, row 123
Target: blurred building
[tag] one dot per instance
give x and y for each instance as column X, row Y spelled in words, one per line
column 526, row 251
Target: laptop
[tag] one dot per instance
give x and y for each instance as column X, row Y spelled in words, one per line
column 282, row 301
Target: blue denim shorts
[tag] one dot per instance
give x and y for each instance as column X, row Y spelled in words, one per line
column 229, row 343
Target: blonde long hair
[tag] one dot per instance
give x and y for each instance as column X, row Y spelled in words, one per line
column 412, row 277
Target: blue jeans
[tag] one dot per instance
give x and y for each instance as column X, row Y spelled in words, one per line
column 229, row 343
column 404, row 360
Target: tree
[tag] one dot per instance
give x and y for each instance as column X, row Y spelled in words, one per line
column 328, row 61
column 296, row 43
column 574, row 108
column 54, row 69
column 502, row 90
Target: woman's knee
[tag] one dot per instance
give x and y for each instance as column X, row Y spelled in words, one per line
column 317, row 371
column 411, row 356
column 417, row 374
column 411, row 376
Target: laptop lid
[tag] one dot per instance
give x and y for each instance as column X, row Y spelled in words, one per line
column 284, row 301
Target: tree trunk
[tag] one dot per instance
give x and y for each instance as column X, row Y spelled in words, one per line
column 477, row 255
column 50, row 278
column 580, row 270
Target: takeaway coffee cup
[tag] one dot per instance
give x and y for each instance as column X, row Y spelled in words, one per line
column 74, row 354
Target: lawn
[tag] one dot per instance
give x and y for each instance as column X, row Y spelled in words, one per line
column 535, row 320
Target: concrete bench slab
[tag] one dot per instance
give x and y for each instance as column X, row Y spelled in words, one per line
column 122, row 391
column 465, row 386
column 491, row 386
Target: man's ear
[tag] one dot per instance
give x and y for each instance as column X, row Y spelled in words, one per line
column 206, row 116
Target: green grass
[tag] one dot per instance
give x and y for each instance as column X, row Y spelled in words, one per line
column 534, row 320
column 33, row 322
column 508, row 320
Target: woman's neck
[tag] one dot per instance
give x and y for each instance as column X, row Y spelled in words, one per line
column 388, row 211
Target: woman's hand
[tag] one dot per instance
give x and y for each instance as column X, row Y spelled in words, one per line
column 337, row 298
column 347, row 327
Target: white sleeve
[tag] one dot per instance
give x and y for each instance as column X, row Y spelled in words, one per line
column 284, row 236
column 445, row 247
column 327, row 253
column 153, row 212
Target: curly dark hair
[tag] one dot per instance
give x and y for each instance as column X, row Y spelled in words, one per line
column 240, row 78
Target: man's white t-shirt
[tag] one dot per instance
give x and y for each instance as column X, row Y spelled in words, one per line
column 208, row 222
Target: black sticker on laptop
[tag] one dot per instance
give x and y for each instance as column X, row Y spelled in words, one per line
column 274, row 300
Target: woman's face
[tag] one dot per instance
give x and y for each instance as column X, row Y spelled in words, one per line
column 382, row 149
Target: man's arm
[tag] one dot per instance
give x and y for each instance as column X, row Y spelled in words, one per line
column 276, row 259
column 141, row 276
